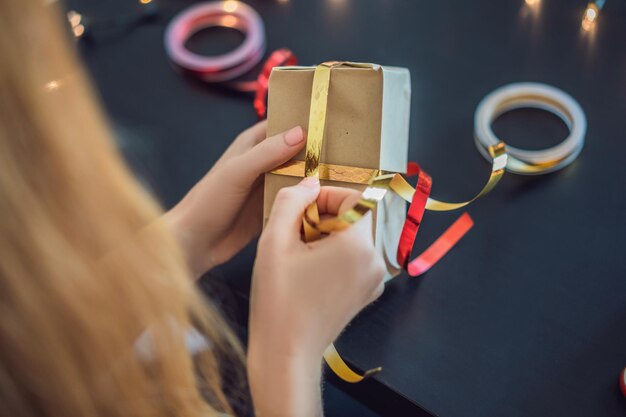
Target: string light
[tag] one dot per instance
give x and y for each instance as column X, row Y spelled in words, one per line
column 591, row 14
column 229, row 21
column 230, row 6
column 76, row 22
column 531, row 8
column 74, row 18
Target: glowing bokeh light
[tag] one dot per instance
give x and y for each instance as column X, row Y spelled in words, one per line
column 229, row 21
column 590, row 16
column 74, row 18
column 230, row 6
column 78, row 31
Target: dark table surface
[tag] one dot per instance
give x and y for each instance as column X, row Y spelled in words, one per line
column 527, row 315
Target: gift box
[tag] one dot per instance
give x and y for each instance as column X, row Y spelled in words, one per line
column 366, row 132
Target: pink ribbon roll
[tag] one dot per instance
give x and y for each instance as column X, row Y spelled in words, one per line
column 219, row 68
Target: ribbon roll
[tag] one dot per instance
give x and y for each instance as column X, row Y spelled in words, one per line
column 231, row 14
column 534, row 95
column 229, row 66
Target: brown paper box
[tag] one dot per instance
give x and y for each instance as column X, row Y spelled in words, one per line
column 367, row 126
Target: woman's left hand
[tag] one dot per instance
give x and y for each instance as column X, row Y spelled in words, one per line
column 223, row 212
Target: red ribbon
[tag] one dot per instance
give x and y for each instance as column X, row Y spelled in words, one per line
column 442, row 245
column 415, row 213
column 278, row 58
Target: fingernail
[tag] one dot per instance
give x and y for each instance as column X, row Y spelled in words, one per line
column 294, row 136
column 310, row 182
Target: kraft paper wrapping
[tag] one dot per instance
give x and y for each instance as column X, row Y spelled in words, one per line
column 367, row 126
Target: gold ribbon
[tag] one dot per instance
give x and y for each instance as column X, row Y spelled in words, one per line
column 499, row 159
column 341, row 369
column 315, row 138
column 379, row 183
column 339, row 173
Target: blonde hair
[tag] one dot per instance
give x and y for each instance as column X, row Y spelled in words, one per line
column 86, row 269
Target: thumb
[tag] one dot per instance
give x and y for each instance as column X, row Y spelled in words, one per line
column 267, row 155
column 286, row 216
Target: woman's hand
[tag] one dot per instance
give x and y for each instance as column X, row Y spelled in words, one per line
column 223, row 211
column 303, row 295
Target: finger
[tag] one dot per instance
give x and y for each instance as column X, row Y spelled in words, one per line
column 252, row 209
column 252, row 135
column 358, row 234
column 267, row 155
column 247, row 225
column 361, row 230
column 379, row 270
column 245, row 140
column 285, row 218
column 336, row 200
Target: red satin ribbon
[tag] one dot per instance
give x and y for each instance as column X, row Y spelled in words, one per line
column 442, row 245
column 415, row 213
column 280, row 57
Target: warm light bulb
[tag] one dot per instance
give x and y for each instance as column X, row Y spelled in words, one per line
column 145, row 1
column 229, row 21
column 530, row 8
column 590, row 16
column 78, row 31
column 74, row 18
column 230, row 6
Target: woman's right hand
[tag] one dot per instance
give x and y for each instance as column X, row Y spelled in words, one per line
column 303, row 295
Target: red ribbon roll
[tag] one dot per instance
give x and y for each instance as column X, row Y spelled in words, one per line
column 231, row 65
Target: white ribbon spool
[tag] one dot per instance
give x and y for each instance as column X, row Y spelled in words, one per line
column 531, row 95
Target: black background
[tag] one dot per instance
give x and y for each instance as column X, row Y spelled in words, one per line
column 527, row 315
